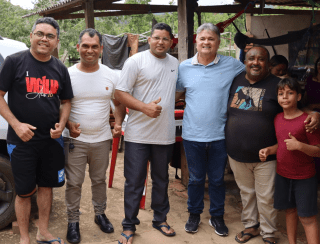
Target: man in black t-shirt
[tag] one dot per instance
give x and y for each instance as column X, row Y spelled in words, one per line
column 252, row 107
column 39, row 93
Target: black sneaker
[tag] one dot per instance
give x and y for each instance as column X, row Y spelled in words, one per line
column 192, row 223
column 217, row 222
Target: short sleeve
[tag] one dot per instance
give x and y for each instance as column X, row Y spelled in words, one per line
column 7, row 74
column 66, row 92
column 180, row 86
column 115, row 81
column 238, row 66
column 314, row 138
column 128, row 75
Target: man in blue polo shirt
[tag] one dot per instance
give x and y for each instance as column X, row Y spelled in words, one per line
column 206, row 79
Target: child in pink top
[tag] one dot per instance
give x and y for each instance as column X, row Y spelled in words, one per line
column 295, row 184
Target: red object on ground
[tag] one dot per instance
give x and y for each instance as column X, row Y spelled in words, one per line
column 115, row 145
column 143, row 198
column 178, row 115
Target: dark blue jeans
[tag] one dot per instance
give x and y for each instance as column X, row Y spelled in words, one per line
column 206, row 158
column 136, row 157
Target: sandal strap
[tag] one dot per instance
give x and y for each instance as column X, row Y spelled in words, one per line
column 246, row 234
column 127, row 237
column 166, row 226
column 51, row 241
column 269, row 242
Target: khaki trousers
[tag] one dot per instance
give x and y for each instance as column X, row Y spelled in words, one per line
column 256, row 183
column 96, row 155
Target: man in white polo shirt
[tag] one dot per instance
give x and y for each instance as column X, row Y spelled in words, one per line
column 147, row 88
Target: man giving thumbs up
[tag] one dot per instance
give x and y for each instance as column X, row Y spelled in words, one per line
column 147, row 88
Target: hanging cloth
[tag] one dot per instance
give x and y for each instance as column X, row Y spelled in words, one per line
column 115, row 51
column 242, row 40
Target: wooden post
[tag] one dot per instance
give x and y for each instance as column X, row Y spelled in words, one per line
column 199, row 18
column 186, row 10
column 182, row 31
column 184, row 167
column 89, row 13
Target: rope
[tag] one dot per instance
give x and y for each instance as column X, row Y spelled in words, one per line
column 226, row 23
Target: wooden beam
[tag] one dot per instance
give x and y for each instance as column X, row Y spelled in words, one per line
column 182, row 31
column 102, row 5
column 199, row 18
column 283, row 11
column 69, row 11
column 191, row 8
column 262, row 5
column 98, row 14
column 221, row 9
column 89, row 13
column 238, row 8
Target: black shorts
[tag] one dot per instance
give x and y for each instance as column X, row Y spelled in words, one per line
column 37, row 163
column 300, row 194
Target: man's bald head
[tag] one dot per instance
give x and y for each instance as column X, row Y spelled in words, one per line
column 257, row 64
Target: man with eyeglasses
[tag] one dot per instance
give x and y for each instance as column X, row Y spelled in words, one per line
column 39, row 93
column 147, row 88
column 87, row 140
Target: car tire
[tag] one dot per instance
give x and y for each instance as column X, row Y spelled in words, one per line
column 7, row 193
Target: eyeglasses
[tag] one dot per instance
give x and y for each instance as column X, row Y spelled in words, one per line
column 157, row 38
column 49, row 37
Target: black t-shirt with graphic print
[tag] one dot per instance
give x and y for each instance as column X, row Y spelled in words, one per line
column 34, row 92
column 251, row 111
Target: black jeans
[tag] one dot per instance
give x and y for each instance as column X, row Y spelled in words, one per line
column 136, row 157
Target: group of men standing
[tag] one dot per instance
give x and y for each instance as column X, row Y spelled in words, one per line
column 42, row 95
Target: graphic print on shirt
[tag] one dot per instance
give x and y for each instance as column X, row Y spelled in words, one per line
column 248, row 98
column 40, row 87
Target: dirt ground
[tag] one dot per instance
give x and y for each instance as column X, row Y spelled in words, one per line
column 177, row 216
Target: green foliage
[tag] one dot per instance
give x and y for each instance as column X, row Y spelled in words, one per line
column 17, row 28
column 12, row 25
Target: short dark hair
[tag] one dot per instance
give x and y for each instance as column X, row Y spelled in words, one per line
column 162, row 26
column 292, row 83
column 91, row 32
column 278, row 59
column 262, row 48
column 47, row 20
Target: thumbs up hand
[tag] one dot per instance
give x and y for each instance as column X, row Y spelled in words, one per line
column 56, row 133
column 74, row 129
column 152, row 109
column 292, row 143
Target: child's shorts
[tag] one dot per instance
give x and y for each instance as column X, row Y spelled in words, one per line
column 300, row 194
column 39, row 163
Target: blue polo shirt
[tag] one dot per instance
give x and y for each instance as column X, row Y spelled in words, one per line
column 207, row 91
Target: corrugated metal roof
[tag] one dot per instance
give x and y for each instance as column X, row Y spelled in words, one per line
column 284, row 2
column 53, row 6
column 298, row 3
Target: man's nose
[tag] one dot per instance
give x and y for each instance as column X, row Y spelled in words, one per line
column 44, row 38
